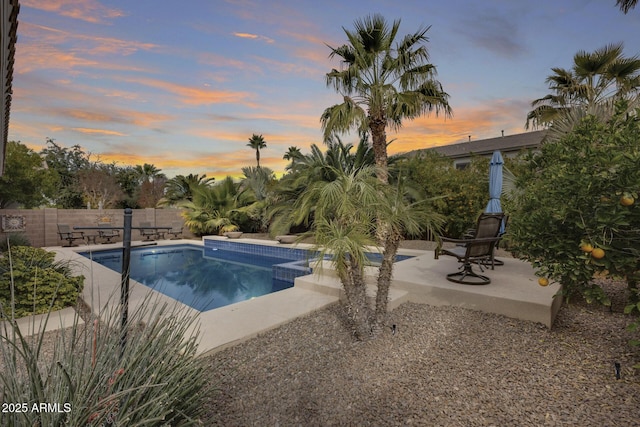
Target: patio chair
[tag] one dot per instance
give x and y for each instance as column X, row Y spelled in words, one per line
column 176, row 229
column 476, row 250
column 469, row 234
column 66, row 233
column 106, row 232
column 148, row 234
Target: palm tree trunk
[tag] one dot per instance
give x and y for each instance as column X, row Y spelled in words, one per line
column 258, row 156
column 391, row 244
column 379, row 143
column 379, row 138
column 384, row 234
column 355, row 292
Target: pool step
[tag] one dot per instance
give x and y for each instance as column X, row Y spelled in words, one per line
column 330, row 285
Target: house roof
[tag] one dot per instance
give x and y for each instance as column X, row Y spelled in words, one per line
column 8, row 36
column 505, row 144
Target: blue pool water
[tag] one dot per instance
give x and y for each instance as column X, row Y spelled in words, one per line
column 203, row 278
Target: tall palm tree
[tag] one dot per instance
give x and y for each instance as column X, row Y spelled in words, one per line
column 292, row 154
column 598, row 77
column 382, row 83
column 626, row 5
column 257, row 142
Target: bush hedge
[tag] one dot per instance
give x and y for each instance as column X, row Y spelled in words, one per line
column 36, row 281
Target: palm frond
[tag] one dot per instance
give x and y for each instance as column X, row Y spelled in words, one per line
column 342, row 118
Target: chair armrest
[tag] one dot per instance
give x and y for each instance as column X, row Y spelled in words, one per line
column 462, row 242
column 71, row 235
column 474, row 240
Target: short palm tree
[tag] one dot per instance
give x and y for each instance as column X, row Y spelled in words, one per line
column 180, row 188
column 383, row 82
column 313, row 167
column 257, row 142
column 596, row 78
column 212, row 208
column 344, row 210
column 255, row 191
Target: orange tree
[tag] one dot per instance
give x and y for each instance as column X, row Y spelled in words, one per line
column 578, row 211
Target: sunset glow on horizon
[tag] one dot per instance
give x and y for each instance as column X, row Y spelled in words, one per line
column 183, row 86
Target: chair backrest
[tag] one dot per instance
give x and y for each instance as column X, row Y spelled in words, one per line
column 105, row 223
column 505, row 223
column 64, row 229
column 488, row 226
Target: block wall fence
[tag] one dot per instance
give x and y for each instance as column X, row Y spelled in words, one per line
column 41, row 225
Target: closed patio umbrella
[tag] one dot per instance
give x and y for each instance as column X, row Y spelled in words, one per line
column 495, row 185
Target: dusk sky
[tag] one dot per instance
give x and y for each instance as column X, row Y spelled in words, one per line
column 184, row 84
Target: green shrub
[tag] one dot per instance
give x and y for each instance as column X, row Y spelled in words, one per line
column 36, row 282
column 14, row 239
column 459, row 195
column 155, row 379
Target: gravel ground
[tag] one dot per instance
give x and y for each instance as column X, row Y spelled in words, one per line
column 444, row 366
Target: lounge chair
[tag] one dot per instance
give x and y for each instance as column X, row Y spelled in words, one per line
column 176, row 229
column 66, row 233
column 106, row 232
column 476, row 250
column 150, row 233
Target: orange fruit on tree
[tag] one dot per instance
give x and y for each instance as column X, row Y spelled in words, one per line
column 597, row 253
column 627, row 200
column 543, row 281
column 586, row 247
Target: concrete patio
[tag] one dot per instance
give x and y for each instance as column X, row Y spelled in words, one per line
column 513, row 292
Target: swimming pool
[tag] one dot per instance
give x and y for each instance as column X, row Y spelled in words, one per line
column 205, row 278
column 216, row 274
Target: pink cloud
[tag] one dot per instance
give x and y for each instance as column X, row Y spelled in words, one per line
column 38, row 49
column 253, row 37
column 192, row 95
column 98, row 131
column 85, row 10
